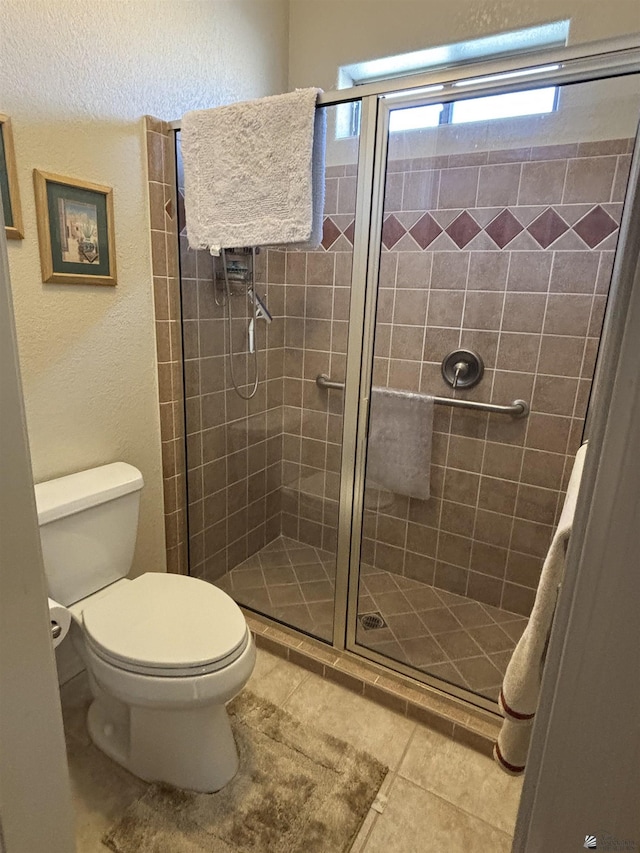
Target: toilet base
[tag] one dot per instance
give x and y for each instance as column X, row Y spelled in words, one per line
column 190, row 749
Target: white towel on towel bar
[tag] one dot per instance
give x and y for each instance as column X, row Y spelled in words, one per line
column 521, row 686
column 400, row 436
column 254, row 173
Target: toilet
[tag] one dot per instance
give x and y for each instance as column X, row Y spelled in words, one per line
column 164, row 652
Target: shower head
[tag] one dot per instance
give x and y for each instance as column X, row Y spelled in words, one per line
column 261, row 309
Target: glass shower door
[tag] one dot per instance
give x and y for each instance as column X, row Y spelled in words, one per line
column 497, row 241
column 264, row 473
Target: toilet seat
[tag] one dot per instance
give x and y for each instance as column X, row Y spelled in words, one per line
column 167, row 626
column 163, row 671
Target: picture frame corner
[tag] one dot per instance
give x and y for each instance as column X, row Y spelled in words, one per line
column 14, row 226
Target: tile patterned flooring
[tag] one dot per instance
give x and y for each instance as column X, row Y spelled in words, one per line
column 446, row 635
column 289, row 581
column 438, row 795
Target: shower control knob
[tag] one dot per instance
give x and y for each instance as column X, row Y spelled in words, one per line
column 462, row 368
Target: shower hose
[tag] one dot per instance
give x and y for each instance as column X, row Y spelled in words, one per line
column 227, row 286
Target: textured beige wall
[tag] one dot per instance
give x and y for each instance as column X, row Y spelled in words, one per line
column 75, row 79
column 325, row 34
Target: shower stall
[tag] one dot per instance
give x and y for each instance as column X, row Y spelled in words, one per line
column 455, row 227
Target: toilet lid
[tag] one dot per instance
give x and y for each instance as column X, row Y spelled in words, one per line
column 165, row 621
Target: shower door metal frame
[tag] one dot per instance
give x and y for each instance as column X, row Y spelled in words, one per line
column 618, row 58
column 355, row 402
column 581, row 63
column 589, row 61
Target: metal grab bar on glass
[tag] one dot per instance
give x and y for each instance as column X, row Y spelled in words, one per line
column 517, row 409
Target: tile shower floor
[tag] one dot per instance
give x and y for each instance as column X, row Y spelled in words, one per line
column 437, row 632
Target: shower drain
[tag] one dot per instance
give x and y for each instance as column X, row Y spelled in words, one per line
column 370, row 621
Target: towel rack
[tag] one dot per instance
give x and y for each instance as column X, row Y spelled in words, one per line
column 517, row 409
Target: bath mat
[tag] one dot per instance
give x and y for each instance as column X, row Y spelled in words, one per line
column 297, row 789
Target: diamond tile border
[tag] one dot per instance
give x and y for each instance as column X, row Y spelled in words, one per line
column 463, row 229
column 330, row 233
column 425, row 231
column 546, row 229
column 392, row 231
column 595, row 227
column 504, row 228
column 592, row 228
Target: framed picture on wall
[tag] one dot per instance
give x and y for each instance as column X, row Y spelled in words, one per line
column 75, row 230
column 9, row 182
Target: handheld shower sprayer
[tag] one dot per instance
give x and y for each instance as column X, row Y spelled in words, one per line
column 241, row 272
column 262, row 312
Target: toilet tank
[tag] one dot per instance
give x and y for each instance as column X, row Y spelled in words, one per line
column 88, row 524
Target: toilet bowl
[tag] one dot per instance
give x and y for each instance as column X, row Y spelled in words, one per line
column 164, row 652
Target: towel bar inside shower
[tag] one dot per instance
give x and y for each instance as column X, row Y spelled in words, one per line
column 517, row 409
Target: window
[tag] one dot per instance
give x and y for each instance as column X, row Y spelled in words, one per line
column 511, row 105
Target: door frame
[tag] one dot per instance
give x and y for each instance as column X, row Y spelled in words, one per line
column 35, row 795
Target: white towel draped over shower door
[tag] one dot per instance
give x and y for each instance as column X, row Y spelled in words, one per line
column 400, row 436
column 254, row 173
column 521, row 686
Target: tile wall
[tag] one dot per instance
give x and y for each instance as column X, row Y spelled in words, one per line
column 166, row 294
column 271, row 465
column 234, row 447
column 508, row 253
column 317, row 292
